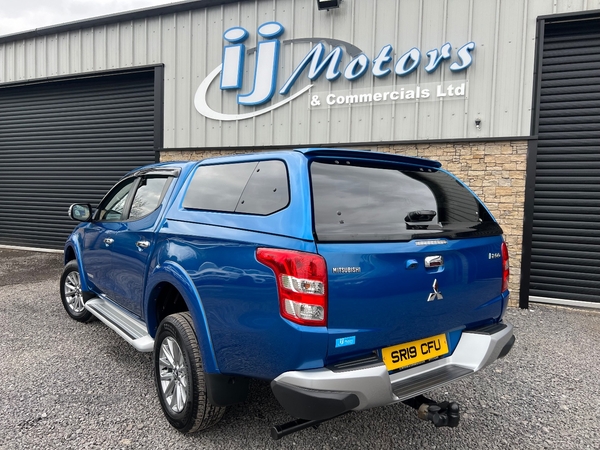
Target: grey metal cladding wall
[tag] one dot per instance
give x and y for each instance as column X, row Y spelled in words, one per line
column 64, row 142
column 565, row 262
column 190, row 42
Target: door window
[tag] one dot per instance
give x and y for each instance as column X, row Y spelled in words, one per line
column 117, row 206
column 147, row 197
column 112, row 207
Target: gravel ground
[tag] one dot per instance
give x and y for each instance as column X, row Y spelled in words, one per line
column 75, row 386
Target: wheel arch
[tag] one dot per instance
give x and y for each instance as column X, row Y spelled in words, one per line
column 69, row 254
column 166, row 300
column 73, row 252
column 170, row 290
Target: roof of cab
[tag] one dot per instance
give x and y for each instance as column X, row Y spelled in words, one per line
column 176, row 167
column 322, row 152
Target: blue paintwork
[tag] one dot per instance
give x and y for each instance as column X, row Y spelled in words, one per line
column 386, row 303
column 130, row 262
column 209, row 257
column 172, row 273
column 294, row 221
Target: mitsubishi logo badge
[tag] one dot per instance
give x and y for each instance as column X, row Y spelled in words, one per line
column 436, row 294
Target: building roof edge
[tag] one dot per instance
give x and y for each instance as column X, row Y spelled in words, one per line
column 126, row 16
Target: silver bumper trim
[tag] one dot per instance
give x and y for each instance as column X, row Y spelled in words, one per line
column 374, row 386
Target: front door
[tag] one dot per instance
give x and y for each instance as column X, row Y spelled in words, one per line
column 134, row 241
column 99, row 238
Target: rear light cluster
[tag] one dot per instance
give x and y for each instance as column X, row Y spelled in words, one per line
column 505, row 267
column 301, row 283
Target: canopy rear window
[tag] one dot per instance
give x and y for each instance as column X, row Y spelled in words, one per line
column 362, row 203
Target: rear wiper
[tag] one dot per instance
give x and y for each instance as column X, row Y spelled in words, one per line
column 420, row 216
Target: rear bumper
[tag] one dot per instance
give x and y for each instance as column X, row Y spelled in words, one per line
column 320, row 394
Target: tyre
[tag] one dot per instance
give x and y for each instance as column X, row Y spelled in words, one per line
column 179, row 376
column 71, row 294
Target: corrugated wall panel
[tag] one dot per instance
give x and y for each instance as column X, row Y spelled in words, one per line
column 460, row 15
column 190, row 45
column 184, row 82
column 51, row 69
column 126, row 43
column 65, row 142
column 565, row 244
column 99, row 49
column 30, row 59
column 385, row 124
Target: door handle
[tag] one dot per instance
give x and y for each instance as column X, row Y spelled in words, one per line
column 108, row 241
column 142, row 244
column 434, row 261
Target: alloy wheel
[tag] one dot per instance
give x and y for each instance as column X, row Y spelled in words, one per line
column 173, row 375
column 73, row 293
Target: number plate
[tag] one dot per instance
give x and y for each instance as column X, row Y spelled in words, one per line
column 411, row 353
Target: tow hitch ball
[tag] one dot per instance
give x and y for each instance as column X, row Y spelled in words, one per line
column 444, row 414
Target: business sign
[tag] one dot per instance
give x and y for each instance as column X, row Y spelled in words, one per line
column 266, row 96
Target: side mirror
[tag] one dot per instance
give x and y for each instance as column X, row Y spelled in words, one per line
column 81, row 213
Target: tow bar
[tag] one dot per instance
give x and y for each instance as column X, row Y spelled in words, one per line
column 444, row 414
column 279, row 431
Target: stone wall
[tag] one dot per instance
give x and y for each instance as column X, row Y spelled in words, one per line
column 495, row 171
column 197, row 155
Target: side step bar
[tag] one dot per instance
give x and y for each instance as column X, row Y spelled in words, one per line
column 124, row 324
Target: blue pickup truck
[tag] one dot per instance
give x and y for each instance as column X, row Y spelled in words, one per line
column 348, row 279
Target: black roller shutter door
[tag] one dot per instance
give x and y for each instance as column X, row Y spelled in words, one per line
column 68, row 141
column 565, row 247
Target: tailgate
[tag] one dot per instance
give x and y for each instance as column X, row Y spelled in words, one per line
column 383, row 294
column 411, row 253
